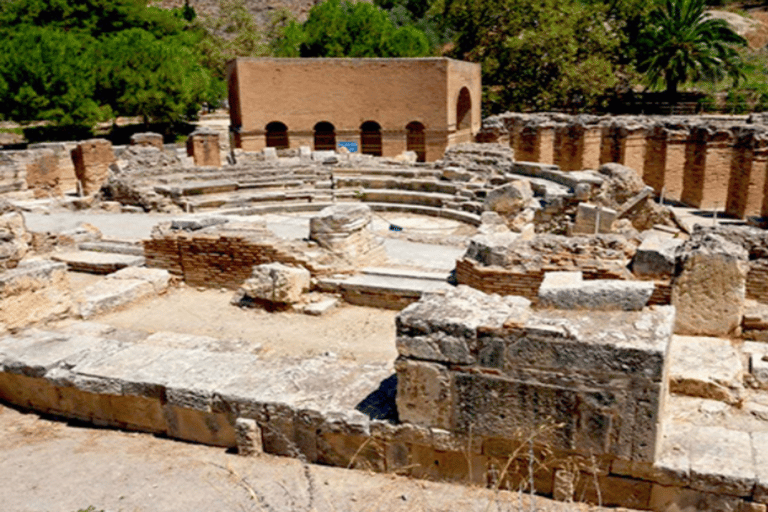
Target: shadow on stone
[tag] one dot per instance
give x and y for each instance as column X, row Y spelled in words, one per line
column 380, row 404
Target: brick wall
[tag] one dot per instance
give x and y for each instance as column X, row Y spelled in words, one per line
column 217, row 260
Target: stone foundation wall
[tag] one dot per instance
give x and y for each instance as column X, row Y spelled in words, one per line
column 218, row 261
column 705, row 162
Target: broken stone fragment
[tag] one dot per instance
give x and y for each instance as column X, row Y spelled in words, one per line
column 509, row 199
column 276, row 283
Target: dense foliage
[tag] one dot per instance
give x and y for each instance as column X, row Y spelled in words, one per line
column 80, row 61
column 77, row 62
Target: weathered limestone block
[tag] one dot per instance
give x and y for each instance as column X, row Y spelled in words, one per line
column 443, row 328
column 43, row 175
column 424, row 393
column 504, row 371
column 34, row 291
column 344, row 230
column 14, row 238
column 705, row 368
column 655, row 257
column 92, row 160
column 203, row 146
column 109, row 294
column 510, row 198
column 151, row 139
column 589, row 215
column 158, row 278
column 709, row 286
column 275, row 282
column 567, row 290
column 248, row 435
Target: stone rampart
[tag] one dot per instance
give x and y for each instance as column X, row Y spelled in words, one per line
column 709, row 162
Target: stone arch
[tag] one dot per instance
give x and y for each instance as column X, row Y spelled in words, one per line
column 325, row 136
column 370, row 138
column 464, row 110
column 416, row 140
column 277, row 135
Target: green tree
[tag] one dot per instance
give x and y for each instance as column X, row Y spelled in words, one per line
column 683, row 44
column 343, row 29
column 157, row 79
column 537, row 55
column 47, row 74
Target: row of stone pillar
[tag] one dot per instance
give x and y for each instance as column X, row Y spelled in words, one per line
column 704, row 166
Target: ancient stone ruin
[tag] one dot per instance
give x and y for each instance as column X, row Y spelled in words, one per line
column 585, row 342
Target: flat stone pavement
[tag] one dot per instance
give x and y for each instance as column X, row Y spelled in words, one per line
column 291, row 226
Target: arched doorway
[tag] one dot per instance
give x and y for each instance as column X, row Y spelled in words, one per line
column 325, row 136
column 277, row 135
column 370, row 138
column 464, row 110
column 416, row 140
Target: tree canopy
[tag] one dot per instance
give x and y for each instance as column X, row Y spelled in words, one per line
column 685, row 44
column 81, row 61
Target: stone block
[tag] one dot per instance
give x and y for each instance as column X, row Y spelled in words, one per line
column 150, row 139
column 424, row 394
column 14, row 238
column 43, row 174
column 320, row 308
column 270, row 153
column 509, row 199
column 444, row 327
column 705, row 368
column 344, row 230
column 92, row 159
column 567, row 290
column 305, row 153
column 588, row 216
column 655, row 257
column 203, row 147
column 722, row 461
column 34, row 291
column 760, row 450
column 456, row 174
column 97, row 262
column 110, row 294
column 277, row 283
column 709, row 288
column 676, row 499
column 158, row 278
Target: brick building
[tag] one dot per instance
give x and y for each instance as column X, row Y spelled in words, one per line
column 386, row 106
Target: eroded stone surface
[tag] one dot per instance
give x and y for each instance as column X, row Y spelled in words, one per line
column 709, row 287
column 567, row 290
column 706, row 368
column 275, row 282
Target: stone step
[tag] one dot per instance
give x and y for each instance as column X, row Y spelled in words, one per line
column 381, row 288
column 196, row 189
column 433, row 199
column 97, row 262
column 412, row 184
column 395, row 172
column 113, row 247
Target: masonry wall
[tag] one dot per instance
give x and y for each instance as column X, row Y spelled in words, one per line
column 346, row 93
column 217, row 260
column 713, row 162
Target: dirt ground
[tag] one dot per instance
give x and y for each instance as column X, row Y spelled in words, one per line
column 351, row 332
column 53, row 466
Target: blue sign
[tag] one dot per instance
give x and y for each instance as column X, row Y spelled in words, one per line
column 351, row 146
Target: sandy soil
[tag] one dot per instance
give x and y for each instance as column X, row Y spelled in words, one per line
column 352, row 332
column 52, row 466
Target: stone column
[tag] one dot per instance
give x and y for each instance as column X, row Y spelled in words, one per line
column 590, row 147
column 92, row 159
column 527, row 147
column 203, row 146
column 707, row 168
column 43, row 176
column 567, row 147
column 655, row 158
column 545, row 143
column 632, row 146
column 747, row 178
column 610, row 150
column 679, row 151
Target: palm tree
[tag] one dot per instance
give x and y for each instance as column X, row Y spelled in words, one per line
column 684, row 43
